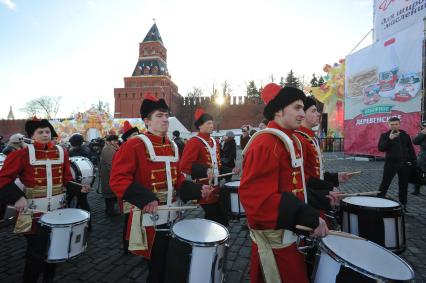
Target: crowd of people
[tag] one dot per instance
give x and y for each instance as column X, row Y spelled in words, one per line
column 283, row 183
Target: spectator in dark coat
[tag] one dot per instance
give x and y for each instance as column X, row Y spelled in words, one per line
column 179, row 142
column 245, row 137
column 107, row 154
column 77, row 147
column 16, row 142
column 229, row 150
column 420, row 140
column 399, row 158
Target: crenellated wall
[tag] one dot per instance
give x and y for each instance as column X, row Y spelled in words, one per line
column 235, row 111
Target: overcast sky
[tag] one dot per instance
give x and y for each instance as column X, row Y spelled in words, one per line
column 81, row 50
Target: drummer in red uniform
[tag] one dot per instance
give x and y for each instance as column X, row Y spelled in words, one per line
column 146, row 173
column 43, row 191
column 313, row 164
column 201, row 159
column 272, row 191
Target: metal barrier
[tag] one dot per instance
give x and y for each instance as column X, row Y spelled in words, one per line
column 332, row 144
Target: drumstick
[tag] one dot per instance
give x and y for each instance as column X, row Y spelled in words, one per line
column 29, row 209
column 219, row 176
column 170, row 208
column 75, row 183
column 331, row 232
column 358, row 194
column 353, row 173
column 178, row 207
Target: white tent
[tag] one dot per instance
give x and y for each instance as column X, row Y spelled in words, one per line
column 175, row 124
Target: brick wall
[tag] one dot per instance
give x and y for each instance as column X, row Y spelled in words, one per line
column 10, row 127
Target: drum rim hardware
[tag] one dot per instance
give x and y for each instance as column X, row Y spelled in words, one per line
column 373, row 208
column 201, row 244
column 323, row 247
column 62, row 225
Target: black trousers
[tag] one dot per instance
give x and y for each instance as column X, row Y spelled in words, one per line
column 125, row 242
column 36, row 255
column 216, row 212
column 170, row 259
column 389, row 172
column 81, row 200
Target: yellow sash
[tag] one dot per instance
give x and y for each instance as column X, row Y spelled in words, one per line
column 138, row 239
column 266, row 240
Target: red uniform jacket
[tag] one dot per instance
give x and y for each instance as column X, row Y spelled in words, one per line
column 271, row 192
column 33, row 176
column 17, row 165
column 196, row 160
column 138, row 180
column 312, row 162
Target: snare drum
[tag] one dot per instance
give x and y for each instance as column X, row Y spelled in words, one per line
column 82, row 170
column 208, row 241
column 236, row 208
column 379, row 220
column 351, row 260
column 68, row 233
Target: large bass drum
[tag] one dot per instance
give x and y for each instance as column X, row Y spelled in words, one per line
column 208, row 241
column 82, row 170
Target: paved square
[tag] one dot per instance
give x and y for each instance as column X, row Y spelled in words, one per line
column 104, row 260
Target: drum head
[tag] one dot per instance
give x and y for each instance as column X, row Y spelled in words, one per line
column 367, row 257
column 65, row 216
column 370, row 201
column 233, row 184
column 200, row 232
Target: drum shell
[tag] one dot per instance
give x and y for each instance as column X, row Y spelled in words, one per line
column 67, row 240
column 389, row 228
column 82, row 170
column 235, row 206
column 207, row 259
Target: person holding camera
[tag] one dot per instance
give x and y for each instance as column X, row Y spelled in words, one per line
column 420, row 140
column 16, row 142
column 399, row 157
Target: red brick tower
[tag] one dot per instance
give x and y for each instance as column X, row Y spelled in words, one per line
column 149, row 76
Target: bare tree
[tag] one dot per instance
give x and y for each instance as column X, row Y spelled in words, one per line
column 46, row 106
column 31, row 109
column 226, row 89
column 101, row 106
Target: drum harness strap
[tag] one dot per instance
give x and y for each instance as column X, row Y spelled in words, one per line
column 269, row 239
column 315, row 142
column 48, row 163
column 213, row 156
column 138, row 239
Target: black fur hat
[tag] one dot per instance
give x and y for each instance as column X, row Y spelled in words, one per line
column 34, row 124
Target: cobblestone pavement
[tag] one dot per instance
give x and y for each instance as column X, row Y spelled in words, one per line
column 104, row 260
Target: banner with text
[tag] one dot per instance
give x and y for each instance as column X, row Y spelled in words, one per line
column 392, row 16
column 383, row 80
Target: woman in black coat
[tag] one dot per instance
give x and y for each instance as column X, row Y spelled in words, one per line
column 229, row 150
